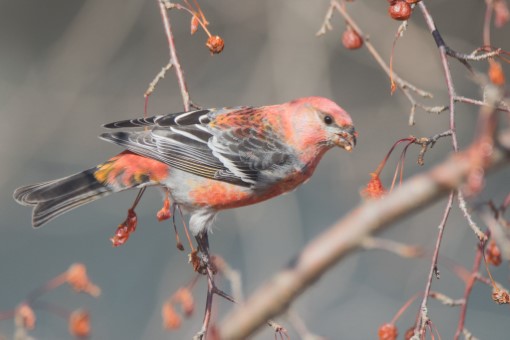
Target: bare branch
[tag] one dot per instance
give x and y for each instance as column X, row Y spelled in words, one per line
column 347, row 234
column 174, row 59
column 402, row 250
column 445, row 300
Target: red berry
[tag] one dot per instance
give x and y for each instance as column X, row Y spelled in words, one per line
column 400, row 10
column 493, row 254
column 194, row 24
column 388, row 331
column 215, row 44
column 351, row 39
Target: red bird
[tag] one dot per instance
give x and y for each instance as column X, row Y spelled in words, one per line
column 208, row 160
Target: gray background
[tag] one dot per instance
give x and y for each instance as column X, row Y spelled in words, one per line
column 66, row 67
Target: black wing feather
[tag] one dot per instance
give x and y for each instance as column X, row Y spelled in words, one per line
column 131, row 123
column 187, row 142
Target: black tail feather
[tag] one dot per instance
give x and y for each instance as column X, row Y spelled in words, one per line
column 53, row 198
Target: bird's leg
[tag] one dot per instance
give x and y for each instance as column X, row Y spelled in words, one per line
column 208, row 262
column 203, row 244
column 205, row 259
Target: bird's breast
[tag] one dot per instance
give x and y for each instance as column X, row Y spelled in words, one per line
column 196, row 192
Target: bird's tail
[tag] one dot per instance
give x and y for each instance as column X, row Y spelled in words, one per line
column 53, row 198
column 124, row 171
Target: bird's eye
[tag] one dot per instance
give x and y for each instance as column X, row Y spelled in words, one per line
column 328, row 119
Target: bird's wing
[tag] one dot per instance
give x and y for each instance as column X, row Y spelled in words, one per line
column 195, row 142
column 186, row 118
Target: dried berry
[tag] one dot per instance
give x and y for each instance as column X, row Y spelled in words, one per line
column 501, row 13
column 388, row 331
column 400, row 10
column 125, row 229
column 374, row 188
column 79, row 324
column 164, row 213
column 77, row 277
column 351, row 39
column 194, row 24
column 171, row 320
column 184, row 297
column 496, row 74
column 215, row 44
column 500, row 296
column 493, row 254
column 25, row 316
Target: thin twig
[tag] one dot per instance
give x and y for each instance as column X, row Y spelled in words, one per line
column 173, row 54
column 300, row 326
column 502, row 105
column 208, row 308
column 427, row 142
column 463, row 207
column 401, row 249
column 161, row 75
column 445, row 300
column 498, row 233
column 423, row 318
column 233, row 276
column 467, row 291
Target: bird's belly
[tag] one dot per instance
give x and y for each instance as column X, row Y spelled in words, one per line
column 194, row 192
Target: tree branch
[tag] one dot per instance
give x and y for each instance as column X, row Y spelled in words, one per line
column 348, row 233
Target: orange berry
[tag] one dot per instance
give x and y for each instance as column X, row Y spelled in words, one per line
column 500, row 296
column 125, row 229
column 184, row 297
column 400, row 10
column 351, row 39
column 76, row 277
column 25, row 316
column 374, row 188
column 493, row 254
column 194, row 24
column 164, row 213
column 215, row 44
column 496, row 74
column 388, row 331
column 79, row 324
column 501, row 13
column 171, row 320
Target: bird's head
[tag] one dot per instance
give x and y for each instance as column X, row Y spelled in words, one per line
column 319, row 123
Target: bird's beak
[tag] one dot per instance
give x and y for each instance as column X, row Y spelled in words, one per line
column 346, row 138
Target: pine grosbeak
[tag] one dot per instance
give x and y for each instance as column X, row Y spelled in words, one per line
column 209, row 160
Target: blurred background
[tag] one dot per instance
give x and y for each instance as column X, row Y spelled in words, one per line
column 66, row 67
